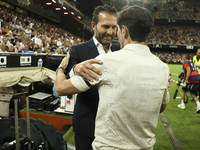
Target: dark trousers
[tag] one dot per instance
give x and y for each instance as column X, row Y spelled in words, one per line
column 197, row 93
column 82, row 142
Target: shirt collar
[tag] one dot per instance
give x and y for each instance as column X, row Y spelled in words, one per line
column 97, row 44
column 137, row 47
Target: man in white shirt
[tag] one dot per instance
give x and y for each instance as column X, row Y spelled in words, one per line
column 58, row 42
column 31, row 25
column 133, row 87
column 38, row 39
column 28, row 32
column 22, row 44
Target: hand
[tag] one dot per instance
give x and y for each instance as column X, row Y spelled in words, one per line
column 83, row 69
column 170, row 80
column 197, row 66
column 186, row 81
column 64, row 63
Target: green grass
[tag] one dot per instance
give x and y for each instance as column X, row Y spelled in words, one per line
column 69, row 136
column 185, row 123
column 162, row 139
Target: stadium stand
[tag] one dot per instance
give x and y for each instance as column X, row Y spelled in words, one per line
column 21, row 30
column 30, row 34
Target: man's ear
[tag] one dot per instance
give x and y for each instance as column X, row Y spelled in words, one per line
column 125, row 32
column 93, row 25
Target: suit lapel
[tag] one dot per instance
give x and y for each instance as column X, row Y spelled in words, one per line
column 114, row 48
column 92, row 49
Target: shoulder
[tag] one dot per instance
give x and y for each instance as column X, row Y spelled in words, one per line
column 81, row 45
column 105, row 58
column 186, row 64
column 109, row 57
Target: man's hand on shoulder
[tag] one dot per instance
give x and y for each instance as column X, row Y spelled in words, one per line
column 83, row 69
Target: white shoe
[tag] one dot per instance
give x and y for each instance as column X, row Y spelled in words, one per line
column 198, row 110
column 182, row 106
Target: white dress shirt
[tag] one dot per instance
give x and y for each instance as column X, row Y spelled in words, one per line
column 132, row 87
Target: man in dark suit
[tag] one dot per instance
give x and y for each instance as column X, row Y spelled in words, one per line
column 104, row 24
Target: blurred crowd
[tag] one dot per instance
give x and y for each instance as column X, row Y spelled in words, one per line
column 177, row 9
column 175, row 35
column 172, row 57
column 20, row 32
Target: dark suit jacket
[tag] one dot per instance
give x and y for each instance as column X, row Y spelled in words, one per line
column 86, row 102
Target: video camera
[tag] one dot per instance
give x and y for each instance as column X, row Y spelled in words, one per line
column 189, row 86
column 186, row 86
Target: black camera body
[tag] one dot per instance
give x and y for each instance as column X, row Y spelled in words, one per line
column 181, row 76
column 192, row 87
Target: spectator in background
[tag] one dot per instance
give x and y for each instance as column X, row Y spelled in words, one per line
column 48, row 51
column 1, row 31
column 8, row 39
column 5, row 40
column 3, row 36
column 33, row 34
column 14, row 25
column 6, row 29
column 14, row 40
column 38, row 51
column 41, row 47
column 22, row 44
column 17, row 24
column 28, row 32
column 25, row 48
column 2, row 47
column 11, row 48
column 16, row 48
column 38, row 39
column 58, row 51
column 31, row 24
column 58, row 42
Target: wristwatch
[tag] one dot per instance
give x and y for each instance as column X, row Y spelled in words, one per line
column 60, row 68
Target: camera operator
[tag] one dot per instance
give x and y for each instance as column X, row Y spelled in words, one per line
column 189, row 78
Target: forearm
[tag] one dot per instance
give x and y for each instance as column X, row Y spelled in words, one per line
column 187, row 76
column 64, row 86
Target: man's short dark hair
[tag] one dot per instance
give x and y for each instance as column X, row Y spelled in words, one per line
column 102, row 8
column 4, row 32
column 187, row 56
column 138, row 21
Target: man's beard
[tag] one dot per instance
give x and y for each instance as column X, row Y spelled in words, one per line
column 100, row 37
